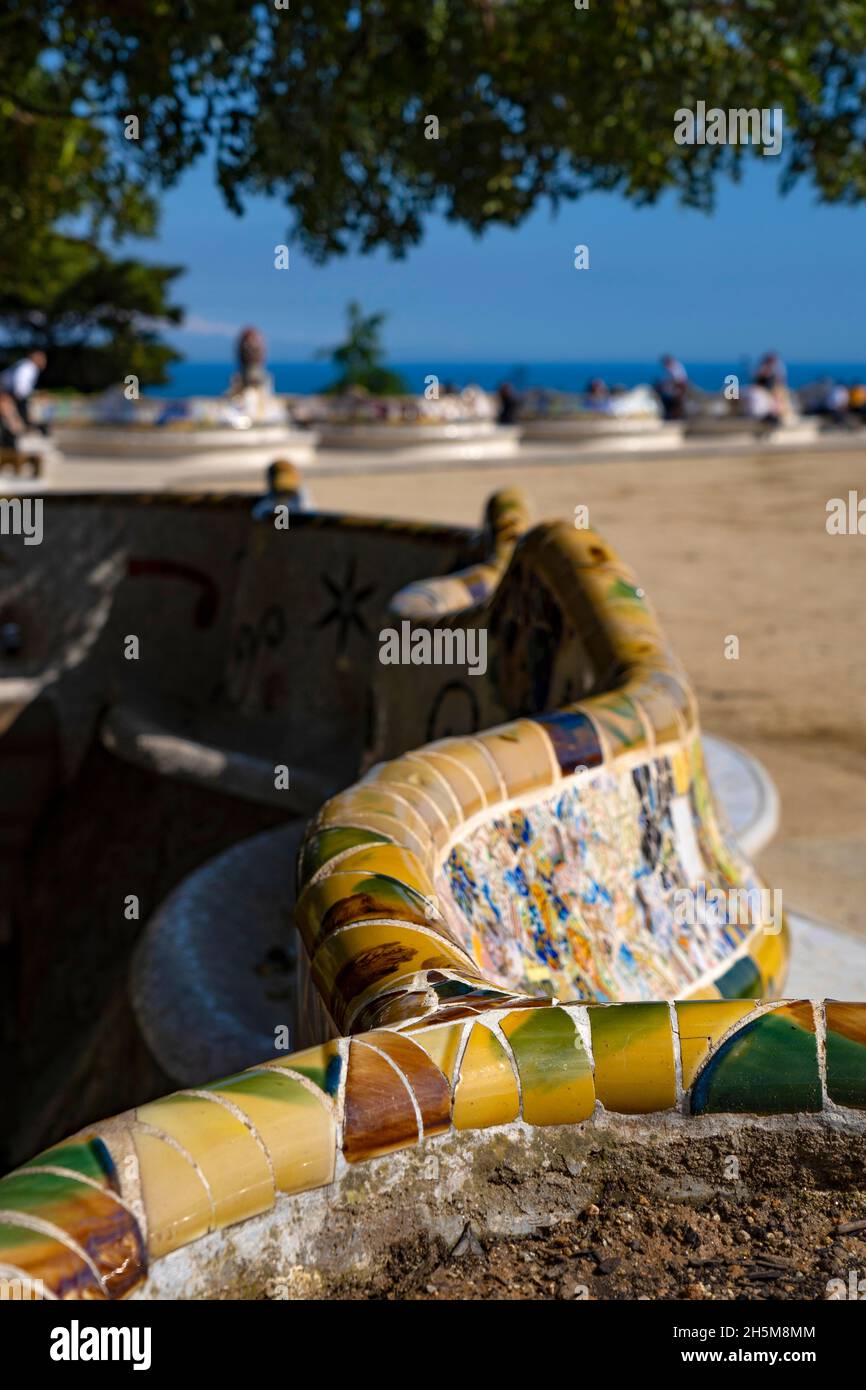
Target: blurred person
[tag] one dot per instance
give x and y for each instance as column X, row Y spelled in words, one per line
column 772, row 376
column 771, row 372
column 759, row 403
column 857, row 398
column 597, row 396
column 836, row 402
column 508, row 402
column 673, row 387
column 19, row 382
column 285, row 488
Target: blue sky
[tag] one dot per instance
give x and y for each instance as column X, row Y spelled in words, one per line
column 762, row 271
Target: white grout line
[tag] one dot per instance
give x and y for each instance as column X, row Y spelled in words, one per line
column 28, row 1222
column 156, row 1133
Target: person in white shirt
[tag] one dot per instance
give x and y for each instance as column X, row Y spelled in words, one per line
column 19, row 382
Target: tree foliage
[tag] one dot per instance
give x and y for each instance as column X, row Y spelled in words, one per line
column 324, row 103
column 360, row 359
column 65, row 182
column 95, row 316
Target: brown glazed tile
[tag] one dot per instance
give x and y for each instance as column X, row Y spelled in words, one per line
column 379, row 1114
column 431, row 1090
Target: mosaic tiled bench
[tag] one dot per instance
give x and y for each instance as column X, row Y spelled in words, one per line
column 490, row 924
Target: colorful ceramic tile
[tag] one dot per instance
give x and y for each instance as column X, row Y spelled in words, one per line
column 771, row 952
column 323, row 1065
column 423, row 781
column 352, row 807
column 846, row 1054
column 437, row 825
column 741, row 981
column 39, row 1256
column 345, row 897
column 296, row 1127
column 328, row 844
column 392, row 1009
column 394, row 830
column 464, row 786
column 555, row 1073
column 429, row 1087
column 659, row 711
column 176, row 1200
column 361, row 959
column 91, row 1217
column 486, row 1092
column 582, row 549
column 226, row 1154
column 632, row 1047
column 388, row 861
column 673, row 685
column 620, row 720
column 574, row 738
column 701, row 1024
column 442, row 1046
column 768, row 1067
column 379, row 1114
column 467, row 753
column 524, row 756
column 87, row 1157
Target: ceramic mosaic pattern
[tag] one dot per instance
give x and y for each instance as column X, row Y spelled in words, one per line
column 208, row 1158
column 442, row 901
column 575, row 896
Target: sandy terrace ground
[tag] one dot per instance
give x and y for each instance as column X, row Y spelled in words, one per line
column 731, row 547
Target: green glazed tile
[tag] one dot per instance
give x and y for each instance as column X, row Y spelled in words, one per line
column 768, row 1067
column 846, row 1054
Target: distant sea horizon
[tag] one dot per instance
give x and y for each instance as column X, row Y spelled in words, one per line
column 212, row 378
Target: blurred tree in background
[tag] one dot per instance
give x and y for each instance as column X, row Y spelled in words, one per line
column 94, row 316
column 360, row 359
column 324, row 105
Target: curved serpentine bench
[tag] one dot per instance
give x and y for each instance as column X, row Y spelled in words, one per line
column 448, row 902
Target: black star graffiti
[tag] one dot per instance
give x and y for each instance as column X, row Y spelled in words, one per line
column 345, row 610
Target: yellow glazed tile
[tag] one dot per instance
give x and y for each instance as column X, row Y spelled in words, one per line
column 356, row 964
column 401, row 835
column 464, row 786
column 586, row 549
column 442, row 1046
column 672, row 682
column 554, row 1069
column 621, row 721
column 296, row 1127
column 681, row 767
column 632, row 1046
column 342, row 897
column 466, row 752
column 423, row 807
column 524, row 755
column 351, row 808
column 414, row 773
column 660, row 716
column 771, row 953
column 661, row 712
column 231, row 1162
column 392, row 861
column 175, row 1198
column 701, row 1025
column 322, row 1065
column 486, row 1093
